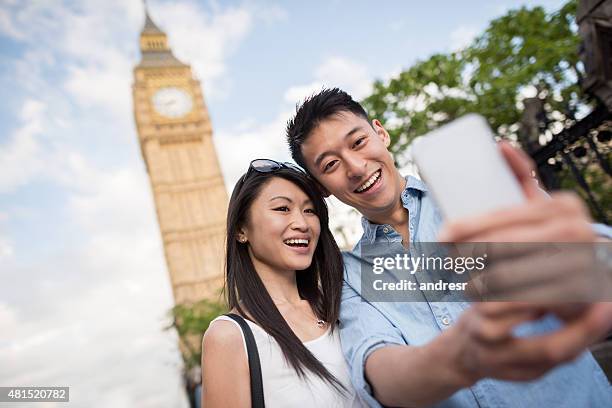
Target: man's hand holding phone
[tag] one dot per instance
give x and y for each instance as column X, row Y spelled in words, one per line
column 489, row 347
column 562, row 217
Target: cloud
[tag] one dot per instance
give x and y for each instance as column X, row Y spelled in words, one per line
column 206, row 40
column 35, row 152
column 7, row 26
column 7, row 251
column 89, row 41
column 340, row 72
column 107, row 85
column 21, row 155
column 298, row 93
column 6, row 248
column 100, row 305
column 77, row 344
column 462, row 36
column 8, row 320
column 20, row 20
column 236, row 147
column 79, row 48
column 270, row 13
column 345, row 223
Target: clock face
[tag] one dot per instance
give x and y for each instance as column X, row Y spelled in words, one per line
column 172, row 102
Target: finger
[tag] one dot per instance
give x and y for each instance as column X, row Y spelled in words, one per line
column 561, row 345
column 515, row 372
column 499, row 329
column 503, row 309
column 498, row 251
column 552, row 231
column 466, row 229
column 523, row 168
column 564, row 276
column 495, row 251
column 570, row 311
column 543, row 293
column 569, row 276
column 523, row 223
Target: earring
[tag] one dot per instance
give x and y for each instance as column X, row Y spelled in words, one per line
column 242, row 240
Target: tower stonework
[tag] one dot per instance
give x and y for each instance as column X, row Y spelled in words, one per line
column 175, row 135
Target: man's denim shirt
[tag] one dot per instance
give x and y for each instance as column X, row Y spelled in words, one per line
column 365, row 327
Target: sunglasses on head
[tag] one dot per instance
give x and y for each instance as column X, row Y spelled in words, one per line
column 269, row 166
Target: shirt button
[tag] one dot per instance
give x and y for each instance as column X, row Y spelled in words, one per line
column 445, row 321
column 385, row 230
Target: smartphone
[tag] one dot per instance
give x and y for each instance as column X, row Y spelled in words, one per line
column 465, row 170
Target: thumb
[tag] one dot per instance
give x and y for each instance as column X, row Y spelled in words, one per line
column 524, row 169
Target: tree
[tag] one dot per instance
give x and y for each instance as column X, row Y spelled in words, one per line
column 190, row 322
column 524, row 53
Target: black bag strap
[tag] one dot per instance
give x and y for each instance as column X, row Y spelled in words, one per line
column 257, row 395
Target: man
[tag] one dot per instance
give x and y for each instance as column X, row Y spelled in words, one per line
column 451, row 354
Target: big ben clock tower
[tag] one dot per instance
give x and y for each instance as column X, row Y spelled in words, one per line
column 175, row 137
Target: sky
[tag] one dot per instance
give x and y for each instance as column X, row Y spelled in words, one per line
column 85, row 293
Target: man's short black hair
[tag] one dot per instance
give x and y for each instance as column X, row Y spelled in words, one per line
column 312, row 112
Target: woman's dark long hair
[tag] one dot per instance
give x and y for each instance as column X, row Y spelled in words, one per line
column 320, row 284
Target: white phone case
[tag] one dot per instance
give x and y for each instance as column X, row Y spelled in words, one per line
column 464, row 169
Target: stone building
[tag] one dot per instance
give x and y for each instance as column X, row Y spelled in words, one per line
column 175, row 135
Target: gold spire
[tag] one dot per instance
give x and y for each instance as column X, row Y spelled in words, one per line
column 154, row 45
column 150, row 27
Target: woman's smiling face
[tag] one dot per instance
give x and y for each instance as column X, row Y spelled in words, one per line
column 282, row 229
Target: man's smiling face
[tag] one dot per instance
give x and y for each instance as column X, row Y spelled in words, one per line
column 349, row 157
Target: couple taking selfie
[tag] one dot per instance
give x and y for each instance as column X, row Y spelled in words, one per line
column 299, row 334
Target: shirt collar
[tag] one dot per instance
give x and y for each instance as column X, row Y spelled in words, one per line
column 414, row 187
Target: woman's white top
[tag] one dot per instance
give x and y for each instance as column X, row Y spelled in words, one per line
column 281, row 385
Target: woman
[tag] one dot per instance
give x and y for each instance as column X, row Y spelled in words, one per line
column 284, row 275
